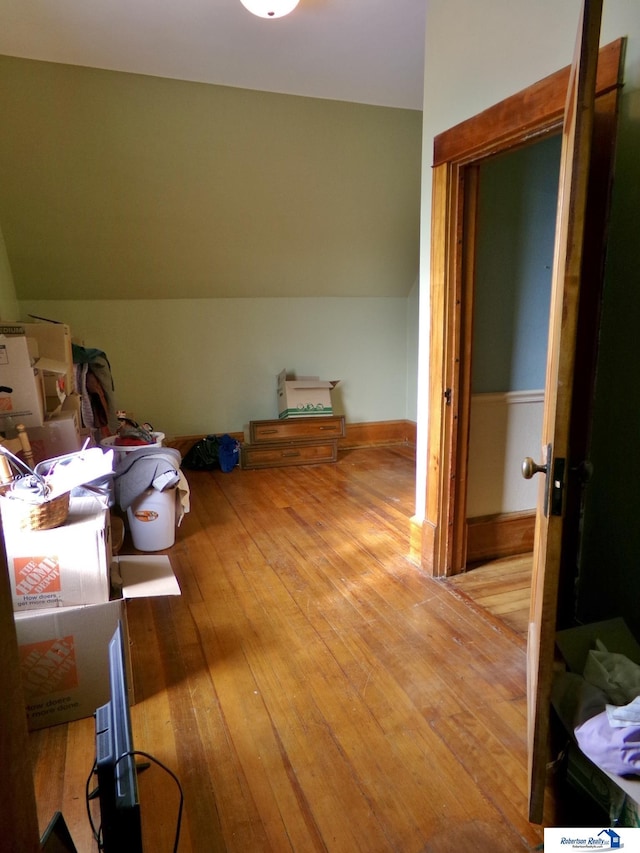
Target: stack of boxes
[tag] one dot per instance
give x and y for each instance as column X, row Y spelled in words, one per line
column 53, row 574
column 69, row 591
column 306, row 432
column 37, row 386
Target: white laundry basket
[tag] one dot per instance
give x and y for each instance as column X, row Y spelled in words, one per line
column 152, row 520
column 122, row 450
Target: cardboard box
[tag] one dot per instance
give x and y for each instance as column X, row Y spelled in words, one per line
column 54, row 344
column 64, row 652
column 58, row 435
column 65, row 566
column 71, row 403
column 304, row 397
column 21, row 390
column 63, row 660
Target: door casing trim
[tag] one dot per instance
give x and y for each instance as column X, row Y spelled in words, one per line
column 532, row 114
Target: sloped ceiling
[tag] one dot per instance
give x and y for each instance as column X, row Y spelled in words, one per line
column 366, row 51
column 153, row 185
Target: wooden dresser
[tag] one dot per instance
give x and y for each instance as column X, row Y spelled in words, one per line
column 292, row 441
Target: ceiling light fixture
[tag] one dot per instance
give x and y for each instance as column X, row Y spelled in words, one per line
column 270, row 8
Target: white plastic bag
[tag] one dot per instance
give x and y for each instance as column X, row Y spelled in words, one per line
column 615, row 674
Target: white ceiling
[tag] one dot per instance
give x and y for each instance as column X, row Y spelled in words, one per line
column 366, row 51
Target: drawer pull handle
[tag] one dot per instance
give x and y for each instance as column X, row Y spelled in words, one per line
column 267, row 431
column 334, row 427
column 291, row 453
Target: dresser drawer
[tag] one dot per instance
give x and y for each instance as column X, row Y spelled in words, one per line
column 277, row 455
column 295, row 429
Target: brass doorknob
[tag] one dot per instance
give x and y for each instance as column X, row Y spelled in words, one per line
column 529, row 468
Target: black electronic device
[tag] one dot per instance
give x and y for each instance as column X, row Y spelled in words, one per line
column 117, row 791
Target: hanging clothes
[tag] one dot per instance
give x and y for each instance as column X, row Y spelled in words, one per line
column 96, row 388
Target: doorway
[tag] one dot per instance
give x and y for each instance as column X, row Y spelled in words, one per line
column 509, row 306
column 589, row 133
column 532, row 115
column 509, row 303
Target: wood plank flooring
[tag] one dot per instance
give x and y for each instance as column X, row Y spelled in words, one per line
column 501, row 587
column 311, row 688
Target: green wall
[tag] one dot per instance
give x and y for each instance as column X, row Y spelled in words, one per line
column 118, row 186
column 209, row 365
column 207, row 237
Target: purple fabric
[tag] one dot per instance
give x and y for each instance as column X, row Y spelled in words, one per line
column 614, row 749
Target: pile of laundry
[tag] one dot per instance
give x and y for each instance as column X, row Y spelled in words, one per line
column 132, row 434
column 599, row 701
column 148, row 483
column 142, row 463
column 153, row 467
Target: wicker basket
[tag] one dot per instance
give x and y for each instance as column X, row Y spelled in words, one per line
column 25, row 510
column 40, row 516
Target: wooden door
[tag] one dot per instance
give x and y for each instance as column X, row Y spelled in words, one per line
column 522, row 118
column 555, row 482
column 439, row 540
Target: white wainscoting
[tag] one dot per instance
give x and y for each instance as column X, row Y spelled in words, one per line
column 505, row 428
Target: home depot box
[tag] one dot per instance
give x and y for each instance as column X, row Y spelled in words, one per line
column 68, row 565
column 21, row 390
column 304, row 397
column 54, row 344
column 64, row 652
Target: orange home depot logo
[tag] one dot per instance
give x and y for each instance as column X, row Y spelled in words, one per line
column 48, row 666
column 146, row 515
column 36, row 575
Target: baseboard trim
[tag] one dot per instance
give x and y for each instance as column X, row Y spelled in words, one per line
column 504, row 535
column 372, row 434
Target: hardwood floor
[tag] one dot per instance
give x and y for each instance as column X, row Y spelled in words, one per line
column 311, row 688
column 501, row 587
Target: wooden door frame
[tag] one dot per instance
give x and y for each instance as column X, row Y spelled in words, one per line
column 528, row 116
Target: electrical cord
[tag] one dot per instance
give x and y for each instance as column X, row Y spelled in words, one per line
column 90, row 795
column 164, row 767
column 97, row 833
